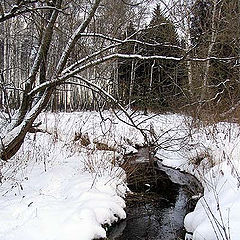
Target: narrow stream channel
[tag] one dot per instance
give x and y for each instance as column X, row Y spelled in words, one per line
column 160, row 199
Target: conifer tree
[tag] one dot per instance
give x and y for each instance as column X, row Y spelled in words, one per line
column 155, row 85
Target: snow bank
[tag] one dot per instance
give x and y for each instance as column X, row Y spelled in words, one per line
column 211, row 153
column 216, row 215
column 54, row 189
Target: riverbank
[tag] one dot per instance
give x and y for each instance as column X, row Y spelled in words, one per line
column 74, row 154
column 159, row 200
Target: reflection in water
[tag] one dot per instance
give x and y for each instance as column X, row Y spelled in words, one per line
column 157, row 208
column 156, row 220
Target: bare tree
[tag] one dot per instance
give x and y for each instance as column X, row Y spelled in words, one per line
column 68, row 45
column 17, row 126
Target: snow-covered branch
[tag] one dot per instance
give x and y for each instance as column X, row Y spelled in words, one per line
column 128, row 40
column 118, row 56
column 70, row 72
column 67, row 74
column 23, row 8
column 91, row 56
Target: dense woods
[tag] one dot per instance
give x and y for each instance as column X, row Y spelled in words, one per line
column 79, row 55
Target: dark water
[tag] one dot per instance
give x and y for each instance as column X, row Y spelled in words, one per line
column 158, row 205
column 153, row 221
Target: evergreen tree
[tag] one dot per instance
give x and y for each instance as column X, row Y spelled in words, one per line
column 155, row 83
column 201, row 20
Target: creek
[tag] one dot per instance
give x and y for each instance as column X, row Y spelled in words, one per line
column 161, row 197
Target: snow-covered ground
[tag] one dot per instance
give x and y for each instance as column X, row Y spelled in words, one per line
column 217, row 214
column 57, row 189
column 65, row 182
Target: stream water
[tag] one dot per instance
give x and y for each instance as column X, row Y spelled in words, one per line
column 159, row 201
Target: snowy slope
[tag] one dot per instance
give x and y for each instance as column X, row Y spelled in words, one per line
column 211, row 154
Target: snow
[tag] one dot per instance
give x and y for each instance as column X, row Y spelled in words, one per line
column 216, row 215
column 53, row 192
column 58, row 188
column 217, row 212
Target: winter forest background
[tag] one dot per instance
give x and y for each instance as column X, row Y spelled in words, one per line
column 167, row 72
column 175, row 56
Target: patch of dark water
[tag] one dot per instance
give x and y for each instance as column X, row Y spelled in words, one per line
column 160, row 199
column 153, row 220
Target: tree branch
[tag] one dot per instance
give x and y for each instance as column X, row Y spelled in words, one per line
column 67, row 73
column 100, row 91
column 128, row 40
column 74, row 38
column 23, row 8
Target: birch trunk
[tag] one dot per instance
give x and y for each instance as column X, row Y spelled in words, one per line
column 132, row 78
column 209, row 52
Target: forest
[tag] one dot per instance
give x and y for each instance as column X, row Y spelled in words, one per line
column 176, row 60
column 190, row 53
column 181, row 56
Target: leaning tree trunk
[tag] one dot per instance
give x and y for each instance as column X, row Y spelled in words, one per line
column 15, row 137
column 13, row 134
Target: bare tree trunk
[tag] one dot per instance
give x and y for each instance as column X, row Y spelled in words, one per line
column 188, row 47
column 6, row 26
column 151, row 76
column 132, row 78
column 209, row 52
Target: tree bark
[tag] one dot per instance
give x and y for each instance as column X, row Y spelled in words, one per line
column 209, row 52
